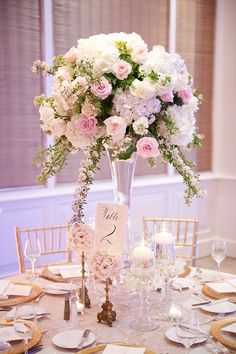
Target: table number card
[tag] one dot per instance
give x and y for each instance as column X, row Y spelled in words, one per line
column 111, row 224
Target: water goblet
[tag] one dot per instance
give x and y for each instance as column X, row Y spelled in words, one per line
column 187, row 330
column 32, row 251
column 25, row 323
column 218, row 253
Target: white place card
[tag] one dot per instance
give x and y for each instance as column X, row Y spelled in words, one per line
column 222, row 287
column 56, row 269
column 230, row 328
column 71, row 273
column 115, row 349
column 8, row 334
column 18, row 290
column 3, row 286
column 111, row 225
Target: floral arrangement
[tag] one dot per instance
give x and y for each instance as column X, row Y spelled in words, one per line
column 105, row 264
column 111, row 92
column 81, row 237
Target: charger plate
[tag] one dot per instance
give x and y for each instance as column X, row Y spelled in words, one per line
column 101, row 347
column 19, row 348
column 186, row 272
column 221, row 335
column 208, row 291
column 16, row 300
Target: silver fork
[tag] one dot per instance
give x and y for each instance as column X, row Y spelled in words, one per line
column 219, row 317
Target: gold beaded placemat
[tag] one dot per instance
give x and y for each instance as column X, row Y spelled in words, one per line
column 18, row 347
column 221, row 336
column 186, row 272
column 16, row 300
column 101, row 347
column 207, row 290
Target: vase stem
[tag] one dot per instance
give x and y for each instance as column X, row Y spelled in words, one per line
column 122, row 172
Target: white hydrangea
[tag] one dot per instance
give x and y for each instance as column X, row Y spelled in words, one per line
column 140, row 126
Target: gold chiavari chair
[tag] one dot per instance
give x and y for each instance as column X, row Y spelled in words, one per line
column 184, row 230
column 53, row 243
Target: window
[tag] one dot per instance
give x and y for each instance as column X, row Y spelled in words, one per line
column 21, row 39
column 20, row 135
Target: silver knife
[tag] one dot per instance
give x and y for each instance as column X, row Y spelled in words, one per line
column 83, row 339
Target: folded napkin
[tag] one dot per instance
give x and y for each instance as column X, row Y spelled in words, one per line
column 116, row 349
column 230, row 328
column 57, row 269
column 183, row 283
column 223, row 287
column 18, row 290
column 3, row 286
column 232, row 282
column 4, row 346
column 8, row 334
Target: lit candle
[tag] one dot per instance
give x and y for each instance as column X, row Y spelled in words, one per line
column 164, row 238
column 175, row 313
column 80, row 306
column 142, row 256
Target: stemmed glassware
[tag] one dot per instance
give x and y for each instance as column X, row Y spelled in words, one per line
column 143, row 273
column 187, row 332
column 25, row 328
column 32, row 251
column 218, row 253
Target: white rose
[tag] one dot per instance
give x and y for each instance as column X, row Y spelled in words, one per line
column 139, row 54
column 46, row 116
column 143, row 89
column 116, row 127
column 58, row 127
column 61, row 105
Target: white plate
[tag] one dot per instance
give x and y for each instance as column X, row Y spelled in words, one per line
column 27, row 309
column 70, row 339
column 171, row 334
column 223, row 307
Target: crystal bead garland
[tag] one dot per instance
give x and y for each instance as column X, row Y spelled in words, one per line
column 122, row 172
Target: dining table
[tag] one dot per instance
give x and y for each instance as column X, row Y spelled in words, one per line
column 127, row 305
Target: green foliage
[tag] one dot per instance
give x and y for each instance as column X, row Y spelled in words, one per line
column 52, row 160
column 153, row 76
column 127, row 154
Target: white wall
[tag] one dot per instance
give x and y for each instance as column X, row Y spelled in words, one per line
column 224, row 124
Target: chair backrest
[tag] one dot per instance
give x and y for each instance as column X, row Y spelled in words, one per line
column 53, row 243
column 184, row 230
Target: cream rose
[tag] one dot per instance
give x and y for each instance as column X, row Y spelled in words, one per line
column 143, row 89
column 116, row 127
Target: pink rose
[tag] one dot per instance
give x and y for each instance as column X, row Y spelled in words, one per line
column 167, row 96
column 147, row 147
column 116, row 127
column 185, row 94
column 72, row 55
column 103, row 89
column 89, row 109
column 122, row 69
column 87, row 125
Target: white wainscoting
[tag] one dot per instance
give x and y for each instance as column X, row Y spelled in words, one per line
column 160, row 196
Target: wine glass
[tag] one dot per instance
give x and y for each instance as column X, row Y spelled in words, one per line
column 187, row 330
column 32, row 251
column 25, row 323
column 218, row 253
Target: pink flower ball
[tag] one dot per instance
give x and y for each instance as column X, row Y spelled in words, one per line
column 103, row 89
column 185, row 94
column 147, row 147
column 167, row 97
column 87, row 125
column 122, row 69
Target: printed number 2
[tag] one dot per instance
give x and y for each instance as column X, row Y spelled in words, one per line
column 106, row 237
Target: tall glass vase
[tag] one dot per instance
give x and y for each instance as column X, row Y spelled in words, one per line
column 122, row 172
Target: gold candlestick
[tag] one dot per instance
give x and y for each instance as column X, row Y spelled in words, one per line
column 107, row 314
column 83, row 291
